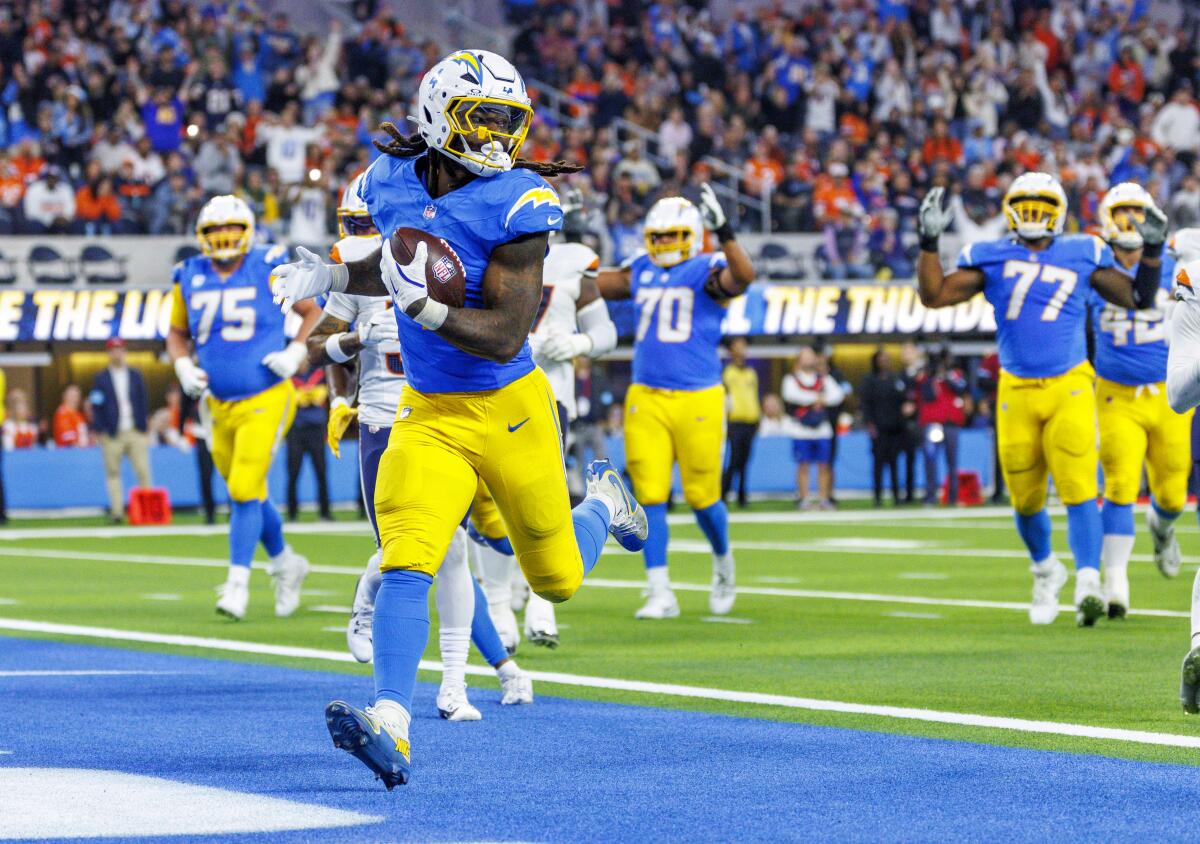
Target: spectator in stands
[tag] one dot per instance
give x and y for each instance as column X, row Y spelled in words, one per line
column 1177, row 126
column 162, row 119
column 96, row 207
column 642, row 173
column 70, row 424
column 120, row 414
column 317, row 77
column 173, row 206
column 148, row 166
column 12, row 191
column 889, row 256
column 807, row 396
column 49, row 204
column 287, row 143
column 940, row 390
column 741, row 388
column 218, row 164
column 844, row 247
column 20, row 431
column 831, row 192
column 674, row 135
column 1184, row 207
column 941, row 146
column 307, row 437
column 1127, row 81
column 261, row 199
column 762, row 172
column 112, row 149
column 886, row 411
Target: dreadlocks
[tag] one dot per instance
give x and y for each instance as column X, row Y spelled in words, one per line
column 407, row 146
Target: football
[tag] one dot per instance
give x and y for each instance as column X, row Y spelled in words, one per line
column 444, row 273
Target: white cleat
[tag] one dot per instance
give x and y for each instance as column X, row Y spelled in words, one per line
column 362, row 617
column 233, row 598
column 660, row 603
column 515, row 685
column 1166, row 545
column 1089, row 597
column 723, row 592
column 1116, row 591
column 506, row 625
column 453, row 705
column 288, row 570
column 1049, row 577
column 541, row 627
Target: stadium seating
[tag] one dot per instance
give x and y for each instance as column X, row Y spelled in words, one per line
column 48, row 266
column 100, row 266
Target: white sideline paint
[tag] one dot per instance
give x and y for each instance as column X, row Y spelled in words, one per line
column 85, row 803
column 725, row 619
column 922, row 575
column 163, row 596
column 85, row 673
column 604, row 583
column 927, row 615
column 7, row 602
column 963, row 719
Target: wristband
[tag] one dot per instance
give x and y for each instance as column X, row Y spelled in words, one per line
column 339, row 401
column 929, row 243
column 1152, row 250
column 724, row 232
column 333, row 348
column 340, row 274
column 432, row 315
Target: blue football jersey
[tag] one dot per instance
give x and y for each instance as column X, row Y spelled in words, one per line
column 1041, row 299
column 679, row 325
column 233, row 322
column 1131, row 346
column 474, row 219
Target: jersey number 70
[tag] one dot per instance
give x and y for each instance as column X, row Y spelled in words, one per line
column 673, row 307
column 1027, row 273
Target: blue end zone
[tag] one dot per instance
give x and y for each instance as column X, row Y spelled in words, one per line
column 564, row 770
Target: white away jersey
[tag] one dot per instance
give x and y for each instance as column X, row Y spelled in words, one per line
column 380, row 369
column 566, row 265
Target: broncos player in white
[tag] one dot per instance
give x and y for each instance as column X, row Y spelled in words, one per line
column 375, row 344
column 571, row 321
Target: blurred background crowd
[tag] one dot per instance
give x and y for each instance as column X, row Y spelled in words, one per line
column 832, row 117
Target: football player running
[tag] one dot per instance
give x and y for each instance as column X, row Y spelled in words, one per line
column 675, row 409
column 1183, row 392
column 571, row 321
column 1137, row 426
column 363, row 328
column 475, row 406
column 221, row 308
column 1046, row 405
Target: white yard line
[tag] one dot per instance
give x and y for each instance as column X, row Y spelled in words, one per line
column 963, row 719
column 926, row 615
column 605, row 583
column 725, row 619
column 84, row 673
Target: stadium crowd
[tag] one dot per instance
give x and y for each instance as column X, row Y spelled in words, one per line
column 125, row 116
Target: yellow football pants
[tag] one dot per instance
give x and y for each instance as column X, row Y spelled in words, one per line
column 1137, row 425
column 485, row 515
column 443, row 444
column 1048, row 425
column 245, row 434
column 665, row 426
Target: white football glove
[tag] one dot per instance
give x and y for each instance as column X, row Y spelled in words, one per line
column 380, row 328
column 563, row 347
column 306, row 278
column 192, row 379
column 287, row 361
column 932, row 220
column 406, row 283
column 711, row 211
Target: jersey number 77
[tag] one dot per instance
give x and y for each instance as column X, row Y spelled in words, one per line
column 1027, row 274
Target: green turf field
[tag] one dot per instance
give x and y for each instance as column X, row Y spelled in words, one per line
column 860, row 607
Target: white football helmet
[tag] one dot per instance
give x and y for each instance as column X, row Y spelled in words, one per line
column 673, row 231
column 473, row 107
column 354, row 220
column 1184, row 245
column 1035, row 206
column 1118, row 229
column 218, row 213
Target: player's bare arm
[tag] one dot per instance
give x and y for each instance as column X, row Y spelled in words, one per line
column 512, row 291
column 733, row 279
column 310, row 314
column 330, row 326
column 938, row 289
column 614, row 283
column 1116, row 286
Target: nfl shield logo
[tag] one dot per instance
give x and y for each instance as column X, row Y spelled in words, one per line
column 443, row 269
column 429, row 213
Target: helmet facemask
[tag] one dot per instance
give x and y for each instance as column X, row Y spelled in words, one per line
column 224, row 242
column 1034, row 216
column 486, row 134
column 1124, row 219
column 670, row 246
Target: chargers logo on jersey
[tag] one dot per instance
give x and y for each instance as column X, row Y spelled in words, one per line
column 533, row 197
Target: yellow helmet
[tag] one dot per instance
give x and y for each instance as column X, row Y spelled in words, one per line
column 217, row 213
column 1035, row 206
column 673, row 231
column 1119, row 229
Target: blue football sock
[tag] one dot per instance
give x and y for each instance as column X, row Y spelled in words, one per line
column 1167, row 516
column 714, row 521
column 272, row 528
column 401, row 632
column 1117, row 519
column 245, row 526
column 483, row 631
column 1085, row 534
column 655, row 551
column 591, row 531
column 1035, row 532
